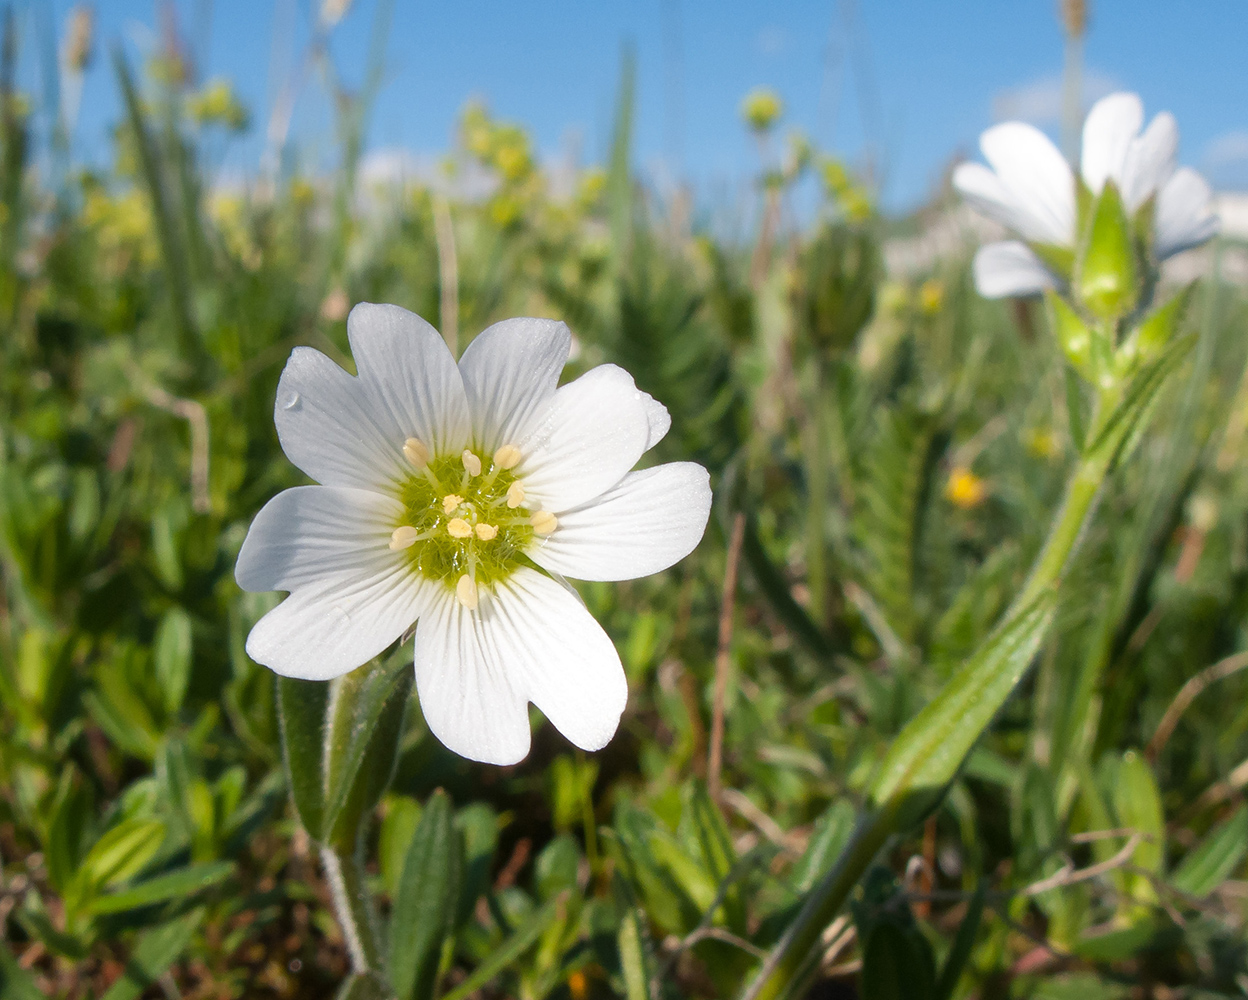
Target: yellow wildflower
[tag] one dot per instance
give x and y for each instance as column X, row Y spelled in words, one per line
column 965, row 489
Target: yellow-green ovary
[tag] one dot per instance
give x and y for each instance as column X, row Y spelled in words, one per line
column 446, row 491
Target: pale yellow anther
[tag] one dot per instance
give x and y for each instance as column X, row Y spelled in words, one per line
column 544, row 522
column 515, row 495
column 404, row 537
column 485, row 532
column 450, row 502
column 457, row 527
column 507, row 457
column 466, row 591
column 472, row 463
column 416, row 452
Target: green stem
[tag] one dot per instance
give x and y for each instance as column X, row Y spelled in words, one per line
column 353, row 907
column 788, row 968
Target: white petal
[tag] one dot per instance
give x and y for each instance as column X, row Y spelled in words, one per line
column 571, row 669
column 651, row 520
column 593, row 431
column 1035, row 179
column 1150, row 161
column 312, row 533
column 1185, row 216
column 510, row 372
column 987, row 195
column 412, row 376
column 1111, row 126
column 331, row 627
column 1009, row 268
column 528, row 640
column 659, row 419
column 332, row 427
column 472, row 698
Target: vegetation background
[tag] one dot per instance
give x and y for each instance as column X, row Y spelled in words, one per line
column 885, row 452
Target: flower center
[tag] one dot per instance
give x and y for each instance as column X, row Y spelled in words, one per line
column 464, row 520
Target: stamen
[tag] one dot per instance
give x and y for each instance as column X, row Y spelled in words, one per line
column 486, row 532
column 507, row 457
column 450, row 502
column 404, row 537
column 466, row 591
column 515, row 495
column 472, row 463
column 544, row 522
column 416, row 452
column 457, row 527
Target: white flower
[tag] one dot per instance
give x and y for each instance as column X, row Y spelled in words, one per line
column 1031, row 190
column 443, row 485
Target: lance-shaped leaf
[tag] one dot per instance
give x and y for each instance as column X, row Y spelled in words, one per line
column 156, row 950
column 172, row 652
column 1210, row 864
column 1105, row 273
column 181, row 883
column 929, row 751
column 424, row 902
column 301, row 706
column 511, row 949
column 362, row 743
column 1137, row 803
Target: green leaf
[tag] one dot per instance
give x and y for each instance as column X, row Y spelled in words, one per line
column 361, row 748
column 633, row 962
column 1219, row 854
column 718, row 855
column 183, row 882
column 897, row 964
column 15, row 982
column 366, row 986
column 931, row 748
column 963, row 944
column 620, row 173
column 398, row 826
column 172, row 650
column 1105, row 273
column 829, row 837
column 123, row 851
column 424, row 905
column 302, row 706
column 1137, row 803
column 156, row 950
column 511, row 949
column 71, row 814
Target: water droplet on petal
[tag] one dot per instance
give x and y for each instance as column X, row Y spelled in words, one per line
column 290, row 401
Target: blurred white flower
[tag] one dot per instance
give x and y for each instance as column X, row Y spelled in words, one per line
column 1031, row 189
column 456, row 497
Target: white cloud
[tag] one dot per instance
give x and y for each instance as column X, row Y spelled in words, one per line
column 1039, row 101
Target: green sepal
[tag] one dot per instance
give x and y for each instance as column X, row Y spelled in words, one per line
column 424, row 901
column 1105, row 271
column 1074, row 336
column 1058, row 259
column 301, row 712
column 1153, row 334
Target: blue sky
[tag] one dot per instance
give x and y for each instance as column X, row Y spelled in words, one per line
column 916, row 80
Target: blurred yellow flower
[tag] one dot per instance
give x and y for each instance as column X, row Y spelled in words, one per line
column 931, row 297
column 965, row 489
column 578, row 985
column 513, row 161
column 761, row 109
column 593, row 182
